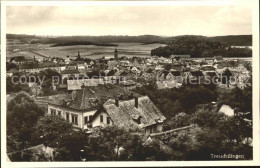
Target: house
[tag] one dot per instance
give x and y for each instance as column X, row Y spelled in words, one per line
column 70, row 72
column 159, row 67
column 139, row 62
column 80, row 105
column 128, row 84
column 209, row 61
column 167, row 84
column 171, row 75
column 227, row 110
column 106, row 105
column 81, row 65
column 112, row 76
column 146, row 76
column 135, row 70
column 67, row 60
column 41, row 149
column 35, row 88
column 112, row 63
column 77, row 84
column 11, row 72
column 137, row 112
column 218, row 58
column 31, row 68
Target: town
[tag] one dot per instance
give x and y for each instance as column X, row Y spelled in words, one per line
column 155, row 103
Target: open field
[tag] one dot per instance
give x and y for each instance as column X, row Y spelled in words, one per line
column 89, row 51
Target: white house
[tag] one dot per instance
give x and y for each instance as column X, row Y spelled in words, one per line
column 106, row 105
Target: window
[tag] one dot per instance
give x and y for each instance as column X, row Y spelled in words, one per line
column 59, row 113
column 67, row 116
column 86, row 119
column 108, row 120
column 74, row 119
column 101, row 118
column 53, row 112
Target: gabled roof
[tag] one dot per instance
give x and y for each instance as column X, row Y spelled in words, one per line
column 111, row 73
column 93, row 96
column 126, row 113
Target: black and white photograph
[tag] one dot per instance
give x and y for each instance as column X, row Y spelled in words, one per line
column 130, row 82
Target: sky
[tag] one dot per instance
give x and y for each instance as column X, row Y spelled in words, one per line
column 129, row 20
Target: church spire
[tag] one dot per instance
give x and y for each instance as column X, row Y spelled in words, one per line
column 115, row 54
column 78, row 55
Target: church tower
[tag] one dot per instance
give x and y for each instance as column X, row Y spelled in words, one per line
column 78, row 55
column 115, row 54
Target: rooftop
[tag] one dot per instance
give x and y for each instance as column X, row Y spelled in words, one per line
column 127, row 114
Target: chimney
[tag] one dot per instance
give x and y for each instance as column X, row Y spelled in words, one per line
column 136, row 102
column 131, row 96
column 73, row 94
column 121, row 97
column 116, row 102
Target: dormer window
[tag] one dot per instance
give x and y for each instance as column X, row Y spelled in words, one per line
column 137, row 119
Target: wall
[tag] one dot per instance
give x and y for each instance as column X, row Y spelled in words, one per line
column 96, row 121
column 153, row 128
column 89, row 113
column 70, row 111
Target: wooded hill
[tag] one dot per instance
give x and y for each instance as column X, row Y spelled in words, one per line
column 237, row 40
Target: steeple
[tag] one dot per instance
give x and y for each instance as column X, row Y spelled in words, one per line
column 115, row 54
column 78, row 55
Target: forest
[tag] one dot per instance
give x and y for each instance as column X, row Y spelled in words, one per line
column 199, row 46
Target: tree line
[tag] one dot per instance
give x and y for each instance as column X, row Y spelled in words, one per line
column 199, row 47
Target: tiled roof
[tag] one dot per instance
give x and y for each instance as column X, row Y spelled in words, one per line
column 125, row 114
column 93, row 96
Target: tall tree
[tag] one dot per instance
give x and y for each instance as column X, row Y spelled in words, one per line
column 50, row 128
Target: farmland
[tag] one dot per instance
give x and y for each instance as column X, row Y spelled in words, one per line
column 86, row 51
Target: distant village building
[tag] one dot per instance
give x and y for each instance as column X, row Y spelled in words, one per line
column 11, row 72
column 70, row 71
column 227, row 110
column 77, row 84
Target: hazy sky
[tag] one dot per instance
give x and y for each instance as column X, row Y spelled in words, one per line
column 129, row 20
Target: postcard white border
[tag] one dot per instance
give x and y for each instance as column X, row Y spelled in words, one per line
column 254, row 4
